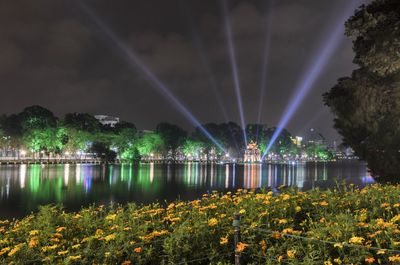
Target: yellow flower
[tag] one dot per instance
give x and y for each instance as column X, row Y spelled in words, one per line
column 338, row 245
column 61, row 253
column 242, row 211
column 280, row 258
column 356, row 240
column 4, row 250
column 328, row 262
column 223, row 240
column 263, row 245
column 60, row 229
column 212, row 222
column 394, row 258
column 76, row 246
column 287, row 231
column 282, row 221
column 16, row 249
column 107, row 254
column 395, row 219
column 126, row 262
column 34, row 232
column 73, row 258
column 291, row 254
column 323, row 203
column 337, row 261
column 110, row 237
column 380, row 252
column 276, row 235
column 297, row 209
column 47, row 248
column 241, row 246
column 111, row 217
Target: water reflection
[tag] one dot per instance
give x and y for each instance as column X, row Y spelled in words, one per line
column 24, row 187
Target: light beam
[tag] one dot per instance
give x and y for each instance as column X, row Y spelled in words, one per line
column 265, row 63
column 133, row 61
column 313, row 72
column 198, row 43
column 235, row 73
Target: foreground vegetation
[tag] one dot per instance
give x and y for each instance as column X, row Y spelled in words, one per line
column 342, row 226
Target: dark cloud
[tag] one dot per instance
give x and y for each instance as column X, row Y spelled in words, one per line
column 53, row 54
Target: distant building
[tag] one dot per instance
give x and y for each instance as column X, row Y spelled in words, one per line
column 107, row 120
column 252, row 153
column 297, row 140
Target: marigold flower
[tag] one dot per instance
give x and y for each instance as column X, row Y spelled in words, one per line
column 111, row 217
column 15, row 249
column 338, row 245
column 394, row 258
column 73, row 258
column 380, row 252
column 60, row 253
column 356, row 240
column 34, row 232
column 291, row 254
column 212, row 222
column 337, row 261
column 242, row 211
column 110, row 237
column 369, row 260
column 60, row 229
column 241, row 246
column 282, row 221
column 223, row 240
column 138, row 249
column 76, row 246
column 33, row 242
column 4, row 250
column 297, row 209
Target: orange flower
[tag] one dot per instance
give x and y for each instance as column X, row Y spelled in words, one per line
column 241, row 246
column 138, row 250
column 369, row 260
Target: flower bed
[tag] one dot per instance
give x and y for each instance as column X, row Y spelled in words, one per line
column 341, row 226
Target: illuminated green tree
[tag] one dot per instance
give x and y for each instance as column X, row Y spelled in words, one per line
column 192, row 147
column 149, row 143
column 318, row 150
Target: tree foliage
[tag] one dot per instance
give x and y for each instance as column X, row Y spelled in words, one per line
column 366, row 105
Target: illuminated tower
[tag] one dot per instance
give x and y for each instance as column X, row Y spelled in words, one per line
column 252, row 153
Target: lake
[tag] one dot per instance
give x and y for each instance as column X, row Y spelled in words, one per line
column 24, row 187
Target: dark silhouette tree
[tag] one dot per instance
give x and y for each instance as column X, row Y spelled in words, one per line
column 367, row 104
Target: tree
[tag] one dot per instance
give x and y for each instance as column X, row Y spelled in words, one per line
column 173, row 136
column 36, row 117
column 192, row 147
column 367, row 104
column 82, row 122
column 149, row 143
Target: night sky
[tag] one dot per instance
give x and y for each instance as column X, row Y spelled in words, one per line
column 54, row 54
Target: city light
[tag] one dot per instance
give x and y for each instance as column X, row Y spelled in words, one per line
column 235, row 72
column 313, row 72
column 134, row 62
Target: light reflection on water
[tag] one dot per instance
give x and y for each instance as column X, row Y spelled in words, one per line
column 24, row 187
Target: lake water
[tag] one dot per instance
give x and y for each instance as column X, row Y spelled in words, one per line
column 24, row 187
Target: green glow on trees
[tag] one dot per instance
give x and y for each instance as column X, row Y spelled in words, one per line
column 149, row 143
column 192, row 147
